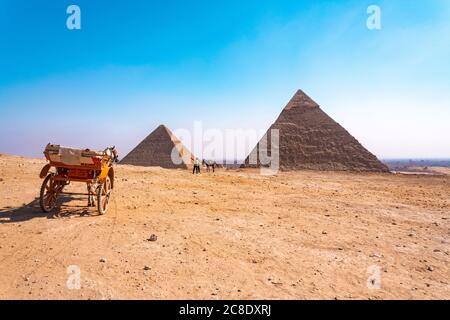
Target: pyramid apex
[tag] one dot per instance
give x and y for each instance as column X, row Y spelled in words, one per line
column 301, row 99
column 301, row 93
column 162, row 126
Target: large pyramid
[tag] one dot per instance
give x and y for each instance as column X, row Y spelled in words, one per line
column 160, row 148
column 310, row 139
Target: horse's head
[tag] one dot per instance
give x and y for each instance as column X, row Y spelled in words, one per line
column 113, row 153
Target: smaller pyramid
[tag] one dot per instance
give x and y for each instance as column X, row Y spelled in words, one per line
column 161, row 148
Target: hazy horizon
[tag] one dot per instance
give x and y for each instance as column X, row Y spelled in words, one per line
column 230, row 65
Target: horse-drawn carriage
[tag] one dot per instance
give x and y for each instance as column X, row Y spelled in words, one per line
column 92, row 167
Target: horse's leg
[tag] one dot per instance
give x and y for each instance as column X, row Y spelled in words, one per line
column 89, row 195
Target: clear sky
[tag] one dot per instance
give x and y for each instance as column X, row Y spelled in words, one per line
column 230, row 64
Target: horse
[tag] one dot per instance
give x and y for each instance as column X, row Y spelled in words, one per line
column 91, row 188
column 209, row 164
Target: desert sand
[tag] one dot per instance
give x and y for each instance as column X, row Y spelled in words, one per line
column 228, row 235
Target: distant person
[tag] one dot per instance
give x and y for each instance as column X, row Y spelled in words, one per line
column 196, row 169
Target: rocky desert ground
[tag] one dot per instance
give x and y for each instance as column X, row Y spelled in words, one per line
column 228, row 235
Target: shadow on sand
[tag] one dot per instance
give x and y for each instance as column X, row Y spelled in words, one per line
column 33, row 210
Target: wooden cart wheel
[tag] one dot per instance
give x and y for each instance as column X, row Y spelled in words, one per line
column 49, row 193
column 103, row 195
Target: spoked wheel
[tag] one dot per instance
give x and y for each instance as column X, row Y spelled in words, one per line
column 103, row 196
column 50, row 190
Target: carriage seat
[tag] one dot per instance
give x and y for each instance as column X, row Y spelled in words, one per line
column 71, row 156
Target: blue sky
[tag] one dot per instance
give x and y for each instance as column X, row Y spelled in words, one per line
column 230, row 64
